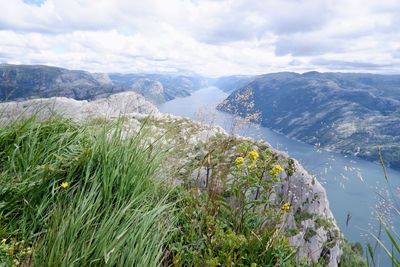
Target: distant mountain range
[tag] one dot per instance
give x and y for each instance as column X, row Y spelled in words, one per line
column 348, row 112
column 19, row 82
column 351, row 113
column 159, row 88
column 233, row 82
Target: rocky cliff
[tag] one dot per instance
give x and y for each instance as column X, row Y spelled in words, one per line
column 80, row 110
column 309, row 224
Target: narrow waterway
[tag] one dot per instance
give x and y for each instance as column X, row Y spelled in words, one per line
column 355, row 187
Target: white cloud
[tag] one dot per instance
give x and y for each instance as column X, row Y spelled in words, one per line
column 212, row 37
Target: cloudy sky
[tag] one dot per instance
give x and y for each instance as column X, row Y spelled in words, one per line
column 210, row 37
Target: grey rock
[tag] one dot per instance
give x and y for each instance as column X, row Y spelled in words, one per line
column 126, row 103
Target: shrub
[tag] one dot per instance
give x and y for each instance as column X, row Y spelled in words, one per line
column 352, row 255
column 235, row 224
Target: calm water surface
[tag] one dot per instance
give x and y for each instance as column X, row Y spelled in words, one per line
column 355, row 187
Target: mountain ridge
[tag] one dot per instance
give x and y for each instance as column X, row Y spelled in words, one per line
column 351, row 113
column 20, row 82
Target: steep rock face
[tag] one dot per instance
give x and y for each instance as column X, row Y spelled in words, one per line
column 153, row 90
column 318, row 226
column 351, row 113
column 309, row 218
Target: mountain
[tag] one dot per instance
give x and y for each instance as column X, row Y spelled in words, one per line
column 18, row 82
column 232, row 83
column 348, row 112
column 160, row 87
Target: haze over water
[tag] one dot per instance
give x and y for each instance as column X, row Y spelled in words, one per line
column 355, row 187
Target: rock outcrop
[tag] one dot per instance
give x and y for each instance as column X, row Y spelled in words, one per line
column 111, row 107
column 315, row 232
column 309, row 223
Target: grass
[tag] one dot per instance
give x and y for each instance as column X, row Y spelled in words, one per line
column 392, row 249
column 112, row 212
column 88, row 195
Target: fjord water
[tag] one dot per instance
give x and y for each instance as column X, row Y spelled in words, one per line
column 355, row 187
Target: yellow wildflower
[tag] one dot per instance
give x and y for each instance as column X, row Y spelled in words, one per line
column 65, row 184
column 276, row 170
column 285, row 207
column 253, row 155
column 239, row 161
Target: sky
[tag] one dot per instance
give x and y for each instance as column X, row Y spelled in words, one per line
column 208, row 37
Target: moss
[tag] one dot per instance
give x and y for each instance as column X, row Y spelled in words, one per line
column 330, row 243
column 291, row 168
column 323, row 222
column 309, row 234
column 292, row 232
column 300, row 216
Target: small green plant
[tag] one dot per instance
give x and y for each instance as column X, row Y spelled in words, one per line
column 352, row 255
column 309, row 234
column 300, row 216
column 15, row 253
column 323, row 222
column 237, row 223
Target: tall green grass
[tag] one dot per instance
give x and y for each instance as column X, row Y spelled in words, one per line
column 113, row 212
column 392, row 247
